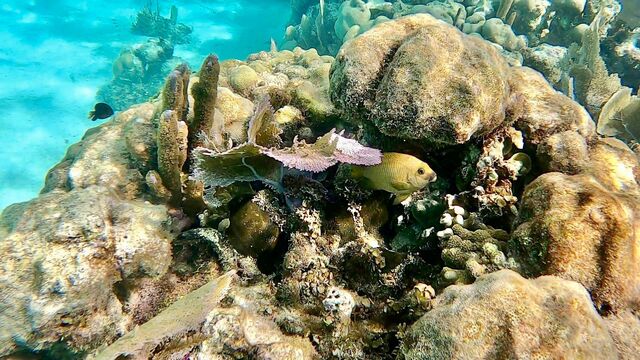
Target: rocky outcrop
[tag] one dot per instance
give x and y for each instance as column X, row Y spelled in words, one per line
column 62, row 259
column 506, row 315
column 584, row 227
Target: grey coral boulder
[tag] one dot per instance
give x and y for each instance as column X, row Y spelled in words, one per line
column 419, row 78
column 62, row 255
column 503, row 315
column 583, row 227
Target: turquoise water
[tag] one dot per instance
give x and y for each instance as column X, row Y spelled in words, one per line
column 54, row 55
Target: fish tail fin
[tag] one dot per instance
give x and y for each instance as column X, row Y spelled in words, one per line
column 92, row 115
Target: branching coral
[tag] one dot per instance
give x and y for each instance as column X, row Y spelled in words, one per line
column 593, row 84
column 469, row 247
column 150, row 23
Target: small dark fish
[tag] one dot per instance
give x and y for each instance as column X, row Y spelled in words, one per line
column 100, row 111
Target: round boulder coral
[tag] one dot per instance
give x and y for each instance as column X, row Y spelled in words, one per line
column 584, row 227
column 503, row 315
column 420, row 78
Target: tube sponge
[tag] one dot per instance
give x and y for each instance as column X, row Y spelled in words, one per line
column 170, row 157
column 174, row 94
column 204, row 92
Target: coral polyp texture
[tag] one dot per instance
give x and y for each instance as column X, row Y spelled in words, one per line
column 401, row 82
column 422, row 195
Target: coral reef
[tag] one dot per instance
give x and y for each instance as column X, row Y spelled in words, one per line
column 287, row 206
column 599, row 206
column 150, row 23
column 138, row 72
column 503, row 313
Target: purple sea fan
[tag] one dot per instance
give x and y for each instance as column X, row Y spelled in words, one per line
column 352, row 152
column 327, row 151
column 303, row 159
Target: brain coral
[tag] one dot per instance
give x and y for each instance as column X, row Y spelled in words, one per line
column 420, row 78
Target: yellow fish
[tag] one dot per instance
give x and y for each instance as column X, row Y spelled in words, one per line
column 400, row 174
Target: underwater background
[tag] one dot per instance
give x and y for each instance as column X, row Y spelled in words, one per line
column 320, row 179
column 55, row 55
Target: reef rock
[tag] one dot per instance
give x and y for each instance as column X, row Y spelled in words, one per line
column 504, row 315
column 584, row 227
column 115, row 155
column 544, row 111
column 62, row 256
column 420, row 78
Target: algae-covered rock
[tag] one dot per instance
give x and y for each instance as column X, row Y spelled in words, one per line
column 252, row 231
column 545, row 111
column 584, row 227
column 503, row 314
column 61, row 259
column 185, row 316
column 419, row 78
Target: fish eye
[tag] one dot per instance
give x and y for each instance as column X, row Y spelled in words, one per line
column 420, row 171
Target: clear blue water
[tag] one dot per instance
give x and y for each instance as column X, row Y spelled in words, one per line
column 54, row 55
